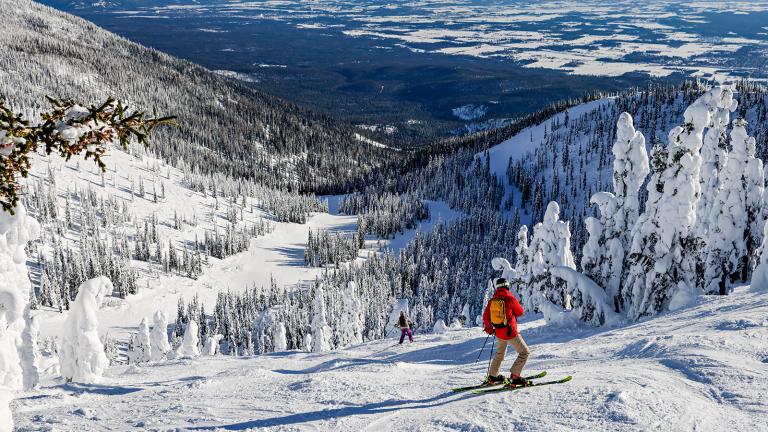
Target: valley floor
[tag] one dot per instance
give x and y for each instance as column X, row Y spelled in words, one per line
column 701, row 368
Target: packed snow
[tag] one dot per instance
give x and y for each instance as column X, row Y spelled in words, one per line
column 698, row 368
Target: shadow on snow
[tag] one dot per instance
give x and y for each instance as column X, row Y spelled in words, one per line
column 347, row 411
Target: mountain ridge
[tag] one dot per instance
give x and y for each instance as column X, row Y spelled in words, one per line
column 227, row 127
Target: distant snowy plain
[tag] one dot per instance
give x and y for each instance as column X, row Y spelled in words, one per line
column 708, row 39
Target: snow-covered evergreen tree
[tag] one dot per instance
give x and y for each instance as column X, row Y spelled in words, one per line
column 82, row 354
column 550, row 247
column 142, row 349
column 608, row 242
column 15, row 231
column 29, row 352
column 321, row 333
column 735, row 214
column 189, row 345
column 714, row 154
column 279, row 337
column 523, row 264
column 211, row 344
column 351, row 327
column 664, row 250
column 760, row 275
column 307, row 342
column 159, row 337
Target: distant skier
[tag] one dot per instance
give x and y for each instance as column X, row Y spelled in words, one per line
column 405, row 325
column 500, row 317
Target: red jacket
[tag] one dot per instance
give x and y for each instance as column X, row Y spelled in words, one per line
column 511, row 307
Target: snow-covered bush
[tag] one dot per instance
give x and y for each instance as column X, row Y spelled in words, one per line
column 111, row 349
column 464, row 317
column 279, row 337
column 82, row 354
column 159, row 337
column 15, row 231
column 189, row 345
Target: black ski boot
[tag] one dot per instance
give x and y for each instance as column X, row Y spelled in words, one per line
column 494, row 380
column 517, row 381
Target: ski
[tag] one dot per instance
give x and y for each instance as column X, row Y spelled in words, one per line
column 508, row 388
column 482, row 386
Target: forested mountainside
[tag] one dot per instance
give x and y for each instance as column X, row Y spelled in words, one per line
column 567, row 158
column 559, row 154
column 228, row 127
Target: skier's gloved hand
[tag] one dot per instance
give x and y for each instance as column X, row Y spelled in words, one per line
column 489, row 330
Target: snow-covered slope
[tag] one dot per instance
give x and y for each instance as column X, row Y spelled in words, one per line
column 695, row 369
column 277, row 255
column 532, row 137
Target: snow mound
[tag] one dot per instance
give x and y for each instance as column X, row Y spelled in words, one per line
column 440, row 327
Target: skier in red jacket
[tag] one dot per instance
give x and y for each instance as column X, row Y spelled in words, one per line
column 500, row 317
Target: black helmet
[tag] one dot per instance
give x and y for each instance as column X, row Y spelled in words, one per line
column 502, row 283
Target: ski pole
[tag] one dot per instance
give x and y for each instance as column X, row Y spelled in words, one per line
column 481, row 349
column 489, row 358
column 388, row 332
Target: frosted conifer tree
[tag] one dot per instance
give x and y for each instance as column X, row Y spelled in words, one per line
column 760, row 275
column 522, row 266
column 189, row 345
column 279, row 336
column 352, row 327
column 663, row 252
column 321, row 333
column 159, row 337
column 550, row 246
column 211, row 345
column 734, row 223
column 29, row 352
column 714, row 154
column 15, row 231
column 142, row 348
column 608, row 243
column 82, row 353
column 630, row 168
column 524, row 270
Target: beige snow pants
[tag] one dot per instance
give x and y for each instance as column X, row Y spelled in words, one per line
column 522, row 355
